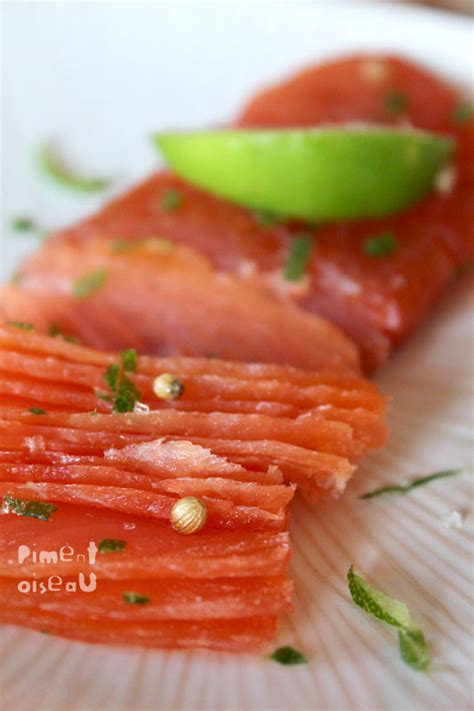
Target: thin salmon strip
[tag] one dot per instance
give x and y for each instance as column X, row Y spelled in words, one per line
column 168, row 599
column 239, row 635
column 191, row 309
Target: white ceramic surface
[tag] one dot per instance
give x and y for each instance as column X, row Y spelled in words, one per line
column 98, row 77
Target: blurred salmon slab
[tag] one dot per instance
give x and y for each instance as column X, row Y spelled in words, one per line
column 378, row 302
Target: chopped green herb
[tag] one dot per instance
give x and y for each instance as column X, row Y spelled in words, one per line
column 381, row 245
column 21, row 324
column 129, row 359
column 126, row 397
column 171, row 200
column 120, row 245
column 405, row 488
column 111, row 376
column 412, row 643
column 265, row 218
column 111, row 545
column 38, row 411
column 124, row 393
column 16, row 278
column 463, row 114
column 52, row 168
column 132, row 598
column 57, row 333
column 41, row 510
column 288, row 655
column 23, row 224
column 396, row 103
column 298, row 257
column 88, row 284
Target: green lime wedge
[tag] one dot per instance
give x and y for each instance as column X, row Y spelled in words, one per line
column 323, row 174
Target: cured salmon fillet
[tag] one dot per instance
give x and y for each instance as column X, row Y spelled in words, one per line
column 378, row 302
column 239, row 438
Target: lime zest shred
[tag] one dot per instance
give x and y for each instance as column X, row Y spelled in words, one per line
column 111, row 545
column 171, row 200
column 58, row 173
column 89, row 284
column 396, row 102
column 412, row 644
column 37, row 411
column 406, row 488
column 463, row 113
column 298, row 257
column 42, row 510
column 288, row 656
column 23, row 325
column 382, row 245
column 133, row 598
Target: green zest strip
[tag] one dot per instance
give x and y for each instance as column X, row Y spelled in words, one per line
column 381, row 245
column 59, row 174
column 124, row 393
column 265, row 218
column 298, row 257
column 111, row 545
column 36, row 509
column 38, row 411
column 412, row 643
column 288, row 656
column 396, row 103
column 23, row 224
column 23, row 325
column 129, row 359
column 463, row 114
column 405, row 488
column 56, row 332
column 88, row 284
column 132, row 598
column 171, row 200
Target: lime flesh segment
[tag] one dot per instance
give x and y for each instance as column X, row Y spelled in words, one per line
column 323, row 174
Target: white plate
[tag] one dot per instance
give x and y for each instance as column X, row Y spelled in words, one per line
column 99, row 77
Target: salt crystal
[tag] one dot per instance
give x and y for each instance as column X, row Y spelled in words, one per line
column 453, row 520
column 129, row 526
column 140, row 408
column 374, row 70
column 445, row 180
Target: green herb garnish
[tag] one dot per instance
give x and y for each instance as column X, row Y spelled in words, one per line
column 23, row 224
column 124, row 393
column 23, row 325
column 52, row 168
column 298, row 257
column 171, row 200
column 396, row 103
column 88, row 284
column 405, row 488
column 56, row 332
column 111, row 545
column 129, row 359
column 265, row 218
column 132, row 598
column 381, row 245
column 463, row 114
column 412, row 643
column 288, row 655
column 21, row 507
column 37, row 411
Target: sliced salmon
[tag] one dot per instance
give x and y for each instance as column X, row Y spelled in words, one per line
column 377, row 302
column 191, row 309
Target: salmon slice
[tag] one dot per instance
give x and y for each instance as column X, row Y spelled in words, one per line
column 191, row 309
column 153, row 549
column 377, row 302
column 196, row 599
column 239, row 635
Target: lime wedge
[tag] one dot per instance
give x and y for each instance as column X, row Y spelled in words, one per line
column 323, row 174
